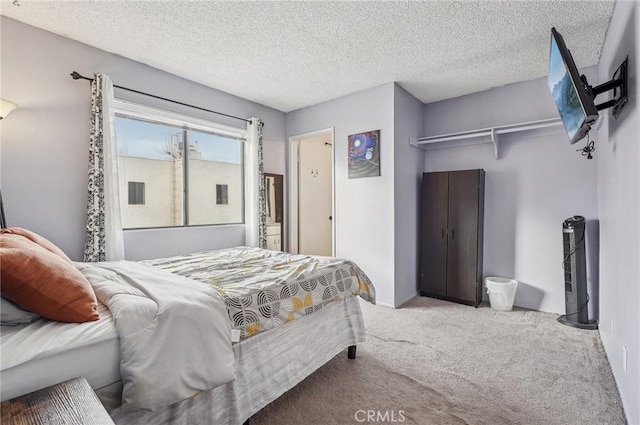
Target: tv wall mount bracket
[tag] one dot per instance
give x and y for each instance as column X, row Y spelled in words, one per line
column 619, row 85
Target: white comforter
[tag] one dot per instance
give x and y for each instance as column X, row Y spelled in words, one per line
column 175, row 333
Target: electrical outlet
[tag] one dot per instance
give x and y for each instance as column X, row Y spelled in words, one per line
column 624, row 358
column 613, row 327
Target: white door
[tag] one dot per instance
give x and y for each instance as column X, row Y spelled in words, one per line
column 315, row 195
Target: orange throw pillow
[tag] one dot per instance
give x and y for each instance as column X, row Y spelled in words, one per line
column 42, row 282
column 40, row 240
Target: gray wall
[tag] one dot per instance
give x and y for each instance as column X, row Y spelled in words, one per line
column 537, row 183
column 44, row 142
column 618, row 209
column 364, row 208
column 408, row 167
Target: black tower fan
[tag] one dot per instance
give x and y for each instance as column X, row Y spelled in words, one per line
column 575, row 275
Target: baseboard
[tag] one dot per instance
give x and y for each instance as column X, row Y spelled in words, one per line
column 400, row 304
column 417, row 294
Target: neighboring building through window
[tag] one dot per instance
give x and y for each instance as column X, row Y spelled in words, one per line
column 161, row 185
column 222, row 197
column 136, row 193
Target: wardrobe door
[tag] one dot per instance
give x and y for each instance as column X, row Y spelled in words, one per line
column 433, row 237
column 462, row 254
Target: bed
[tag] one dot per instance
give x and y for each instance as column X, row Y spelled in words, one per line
column 289, row 315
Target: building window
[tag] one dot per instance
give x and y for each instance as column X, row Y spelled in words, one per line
column 222, row 194
column 136, row 193
column 177, row 158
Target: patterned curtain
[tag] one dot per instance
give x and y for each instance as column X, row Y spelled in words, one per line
column 104, row 239
column 262, row 193
column 255, row 190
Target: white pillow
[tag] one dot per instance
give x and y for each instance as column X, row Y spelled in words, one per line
column 12, row 315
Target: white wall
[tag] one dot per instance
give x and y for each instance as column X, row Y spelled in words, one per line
column 364, row 208
column 408, row 168
column 44, row 142
column 618, row 209
column 274, row 156
column 538, row 182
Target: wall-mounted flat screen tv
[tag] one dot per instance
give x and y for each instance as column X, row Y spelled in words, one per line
column 576, row 107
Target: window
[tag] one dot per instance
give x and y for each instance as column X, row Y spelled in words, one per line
column 222, row 194
column 136, row 193
column 168, row 164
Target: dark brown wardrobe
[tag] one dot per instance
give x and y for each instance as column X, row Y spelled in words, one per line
column 451, row 221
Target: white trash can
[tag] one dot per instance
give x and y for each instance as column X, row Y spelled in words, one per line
column 502, row 292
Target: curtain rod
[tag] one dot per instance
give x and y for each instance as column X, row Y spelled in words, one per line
column 76, row 76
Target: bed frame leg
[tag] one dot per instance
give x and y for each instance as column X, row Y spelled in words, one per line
column 351, row 352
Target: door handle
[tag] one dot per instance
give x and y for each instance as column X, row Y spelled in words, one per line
column 330, row 217
column 442, row 234
column 453, row 234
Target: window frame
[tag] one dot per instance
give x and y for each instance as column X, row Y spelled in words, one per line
column 152, row 115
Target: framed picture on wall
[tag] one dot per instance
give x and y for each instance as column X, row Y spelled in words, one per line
column 364, row 154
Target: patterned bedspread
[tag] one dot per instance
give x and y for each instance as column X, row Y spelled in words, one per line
column 264, row 289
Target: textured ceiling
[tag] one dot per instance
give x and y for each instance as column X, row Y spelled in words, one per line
column 289, row 55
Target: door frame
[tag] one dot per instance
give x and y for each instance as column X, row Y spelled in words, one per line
column 293, row 187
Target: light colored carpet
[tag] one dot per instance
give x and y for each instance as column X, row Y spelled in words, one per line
column 445, row 363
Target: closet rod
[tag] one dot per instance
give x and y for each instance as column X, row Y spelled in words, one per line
column 76, row 76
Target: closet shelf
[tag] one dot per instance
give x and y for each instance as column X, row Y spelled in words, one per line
column 483, row 135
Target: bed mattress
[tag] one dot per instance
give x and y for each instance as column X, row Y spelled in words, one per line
column 264, row 289
column 46, row 352
column 267, row 365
